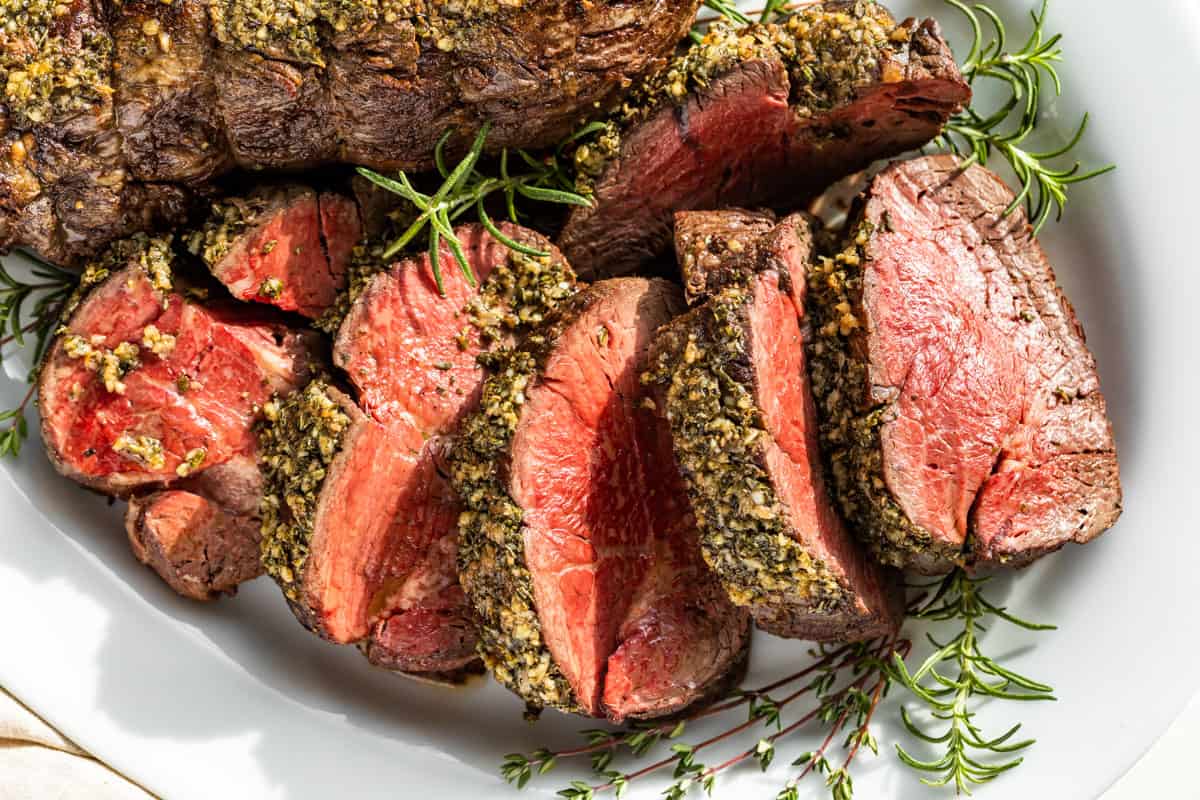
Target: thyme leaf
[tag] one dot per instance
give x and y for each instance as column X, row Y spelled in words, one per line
column 29, row 307
column 845, row 685
column 465, row 189
column 978, row 133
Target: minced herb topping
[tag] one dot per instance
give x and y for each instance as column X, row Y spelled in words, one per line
column 828, row 52
column 718, row 435
column 299, row 29
column 850, row 422
column 366, row 261
column 298, row 441
column 152, row 253
column 227, row 220
column 491, row 554
column 518, row 294
column 45, row 74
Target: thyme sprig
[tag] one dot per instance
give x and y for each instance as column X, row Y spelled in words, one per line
column 29, row 308
column 970, row 757
column 846, row 682
column 465, row 189
column 977, row 134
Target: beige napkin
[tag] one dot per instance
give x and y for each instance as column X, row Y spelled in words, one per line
column 38, row 762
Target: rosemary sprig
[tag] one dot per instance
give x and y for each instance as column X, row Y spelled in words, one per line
column 29, row 307
column 970, row 756
column 847, row 683
column 978, row 134
column 464, row 189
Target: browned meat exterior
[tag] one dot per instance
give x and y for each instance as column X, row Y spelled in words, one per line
column 732, row 381
column 114, row 116
column 772, row 114
column 285, row 246
column 707, row 240
column 961, row 407
column 386, row 570
column 577, row 550
column 202, row 535
column 144, row 385
column 65, row 190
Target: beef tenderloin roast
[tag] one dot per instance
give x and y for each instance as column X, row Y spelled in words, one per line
column 114, row 116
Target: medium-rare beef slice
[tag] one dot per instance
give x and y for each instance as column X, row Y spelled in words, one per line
column 961, row 408
column 343, row 495
column 144, row 385
column 732, row 382
column 114, row 117
column 333, row 483
column 411, row 353
column 706, row 240
column 286, row 246
column 576, row 549
column 759, row 115
column 201, row 535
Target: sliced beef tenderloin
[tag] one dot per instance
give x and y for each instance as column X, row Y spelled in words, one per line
column 707, row 240
column 286, row 246
column 960, row 405
column 144, row 385
column 576, row 549
column 411, row 353
column 201, row 535
column 756, row 116
column 732, row 382
column 334, row 480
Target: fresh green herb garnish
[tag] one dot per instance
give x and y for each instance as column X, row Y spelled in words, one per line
column 970, row 757
column 845, row 684
column 465, row 189
column 29, row 308
column 978, row 134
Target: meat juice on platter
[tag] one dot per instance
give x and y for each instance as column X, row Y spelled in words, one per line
column 549, row 447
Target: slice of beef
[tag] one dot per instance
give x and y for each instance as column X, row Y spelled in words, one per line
column 758, row 116
column 732, row 381
column 334, row 480
column 119, row 115
column 202, row 535
column 576, row 549
column 411, row 353
column 143, row 384
column 961, row 406
column 286, row 246
column 706, row 240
